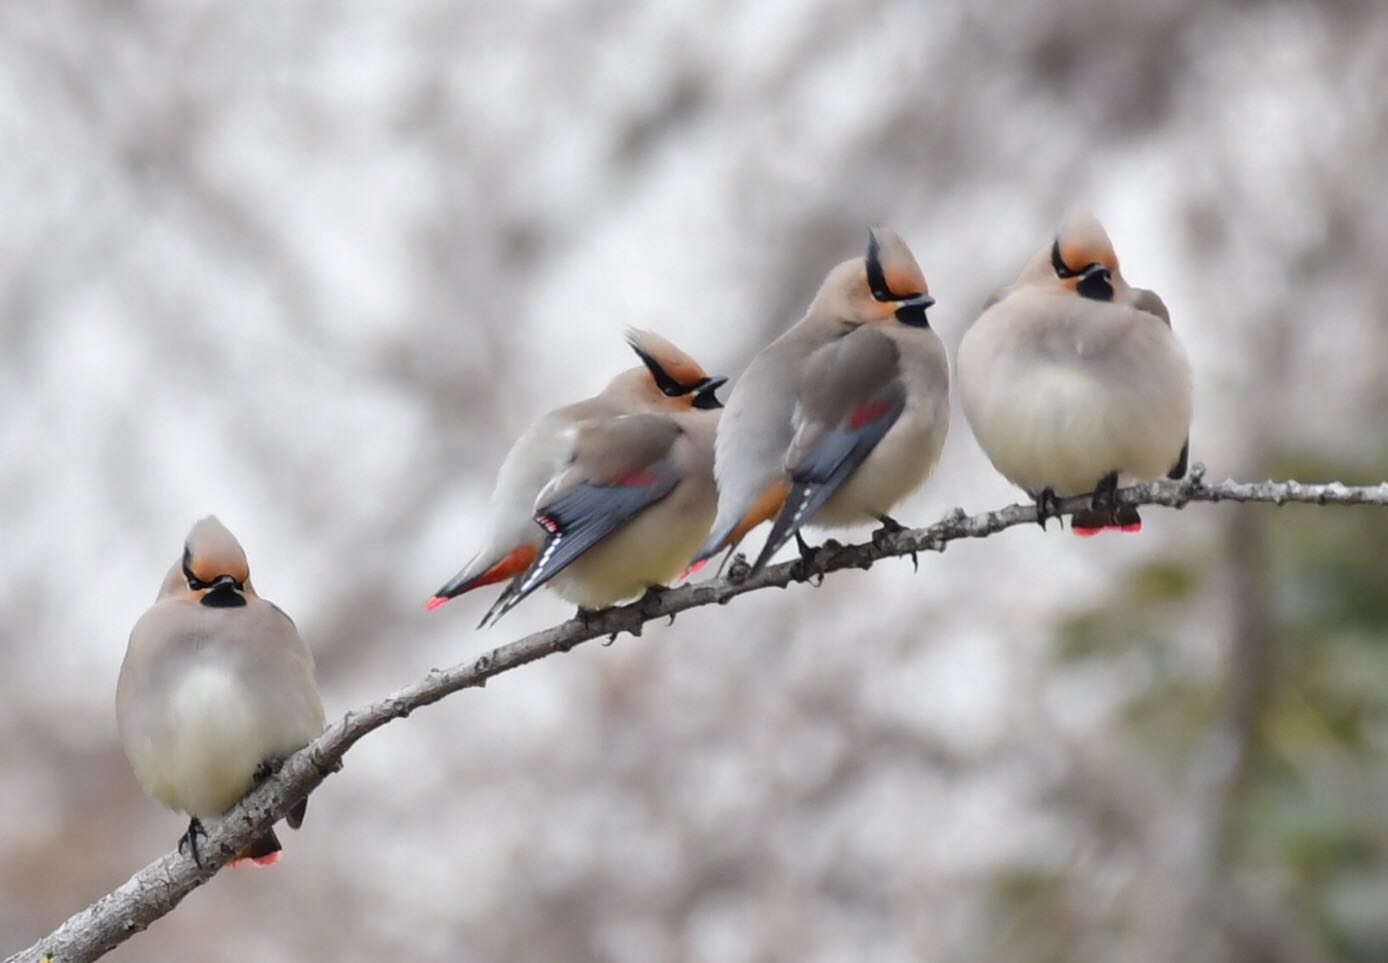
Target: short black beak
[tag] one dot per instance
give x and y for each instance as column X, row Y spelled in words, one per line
column 704, row 395
column 224, row 581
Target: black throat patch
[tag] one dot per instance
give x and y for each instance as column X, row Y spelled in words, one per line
column 224, row 597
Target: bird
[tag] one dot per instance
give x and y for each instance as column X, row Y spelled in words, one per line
column 1073, row 380
column 840, row 417
column 594, row 471
column 216, row 689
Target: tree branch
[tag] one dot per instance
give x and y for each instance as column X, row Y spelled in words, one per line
column 155, row 890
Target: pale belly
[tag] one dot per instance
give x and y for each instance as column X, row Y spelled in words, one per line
column 201, row 756
column 900, row 464
column 1059, row 427
column 651, row 549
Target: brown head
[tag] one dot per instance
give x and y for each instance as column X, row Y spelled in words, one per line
column 670, row 381
column 1081, row 259
column 213, row 570
column 884, row 287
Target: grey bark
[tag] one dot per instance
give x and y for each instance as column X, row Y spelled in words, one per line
column 155, row 890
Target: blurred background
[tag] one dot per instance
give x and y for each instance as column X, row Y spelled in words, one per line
column 312, row 267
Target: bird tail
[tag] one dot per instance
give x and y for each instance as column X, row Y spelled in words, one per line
column 511, row 564
column 265, row 851
column 1092, row 521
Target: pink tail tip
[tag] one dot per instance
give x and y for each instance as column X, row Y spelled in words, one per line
column 267, row 860
column 1085, row 532
column 694, row 567
column 435, row 602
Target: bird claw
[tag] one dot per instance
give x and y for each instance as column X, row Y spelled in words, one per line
column 803, row 569
column 738, row 568
column 1047, row 507
column 890, row 526
column 189, row 840
column 1105, row 493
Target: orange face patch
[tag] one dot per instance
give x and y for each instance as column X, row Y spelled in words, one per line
column 210, row 568
column 904, row 277
column 678, row 365
column 1077, row 257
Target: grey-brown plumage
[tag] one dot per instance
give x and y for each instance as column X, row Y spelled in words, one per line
column 1072, row 380
column 842, row 416
column 669, row 381
column 625, row 514
column 216, row 685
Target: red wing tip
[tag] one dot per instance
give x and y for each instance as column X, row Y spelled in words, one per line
column 267, row 860
column 1085, row 532
column 435, row 602
column 1130, row 527
column 693, row 567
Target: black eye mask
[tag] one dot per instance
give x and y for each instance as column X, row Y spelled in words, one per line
column 702, row 389
column 911, row 311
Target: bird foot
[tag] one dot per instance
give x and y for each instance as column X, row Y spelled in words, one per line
column 804, row 569
column 1105, row 493
column 189, row 840
column 1047, row 507
column 890, row 526
column 738, row 568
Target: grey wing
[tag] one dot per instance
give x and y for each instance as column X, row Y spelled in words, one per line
column 751, row 442
column 1151, row 302
column 841, row 378
column 620, row 467
column 851, row 396
column 278, row 659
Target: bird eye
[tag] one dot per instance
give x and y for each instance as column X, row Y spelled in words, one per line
column 876, row 277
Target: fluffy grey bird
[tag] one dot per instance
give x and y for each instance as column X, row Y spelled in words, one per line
column 842, row 416
column 216, row 688
column 606, row 498
column 1073, row 381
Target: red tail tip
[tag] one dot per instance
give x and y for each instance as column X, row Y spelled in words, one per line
column 693, row 567
column 435, row 602
column 269, row 859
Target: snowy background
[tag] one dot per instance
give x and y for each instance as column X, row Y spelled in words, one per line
column 312, row 267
